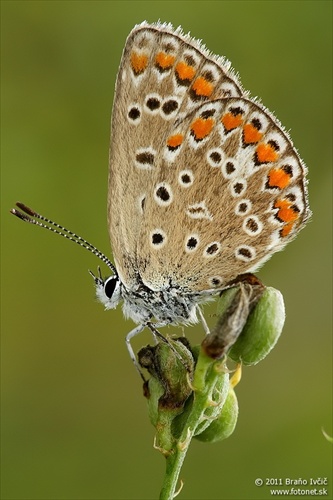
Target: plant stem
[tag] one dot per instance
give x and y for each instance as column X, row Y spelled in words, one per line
column 174, row 463
column 205, row 376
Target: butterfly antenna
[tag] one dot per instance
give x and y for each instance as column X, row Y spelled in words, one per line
column 27, row 215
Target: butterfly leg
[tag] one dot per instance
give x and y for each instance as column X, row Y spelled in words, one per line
column 129, row 336
column 203, row 321
column 136, row 331
column 158, row 335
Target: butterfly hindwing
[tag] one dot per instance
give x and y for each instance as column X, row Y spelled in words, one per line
column 229, row 196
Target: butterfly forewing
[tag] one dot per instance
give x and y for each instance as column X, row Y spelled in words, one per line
column 163, row 77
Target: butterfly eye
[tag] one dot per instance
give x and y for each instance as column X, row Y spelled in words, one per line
column 110, row 285
column 108, row 291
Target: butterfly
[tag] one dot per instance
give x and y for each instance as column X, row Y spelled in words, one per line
column 204, row 183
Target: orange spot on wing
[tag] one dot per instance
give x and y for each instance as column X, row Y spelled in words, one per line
column 286, row 213
column 251, row 135
column 278, row 178
column 165, row 60
column 286, row 229
column 202, row 87
column 266, row 153
column 202, row 127
column 231, row 121
column 175, row 140
column 138, row 62
column 184, row 71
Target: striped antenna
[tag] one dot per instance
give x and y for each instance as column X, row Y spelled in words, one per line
column 28, row 215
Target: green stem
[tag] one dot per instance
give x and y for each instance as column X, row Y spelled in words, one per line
column 174, row 463
column 205, row 376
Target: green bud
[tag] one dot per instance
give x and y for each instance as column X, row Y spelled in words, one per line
column 262, row 329
column 224, row 425
column 216, row 399
column 154, row 391
column 234, row 308
column 171, row 368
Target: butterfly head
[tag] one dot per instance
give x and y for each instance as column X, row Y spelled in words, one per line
column 108, row 290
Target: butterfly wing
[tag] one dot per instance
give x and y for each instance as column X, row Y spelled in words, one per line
column 163, row 76
column 224, row 199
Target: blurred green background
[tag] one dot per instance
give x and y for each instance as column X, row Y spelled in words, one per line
column 74, row 421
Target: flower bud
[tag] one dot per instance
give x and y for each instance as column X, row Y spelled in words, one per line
column 234, row 308
column 224, row 425
column 216, row 400
column 262, row 329
column 171, row 367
